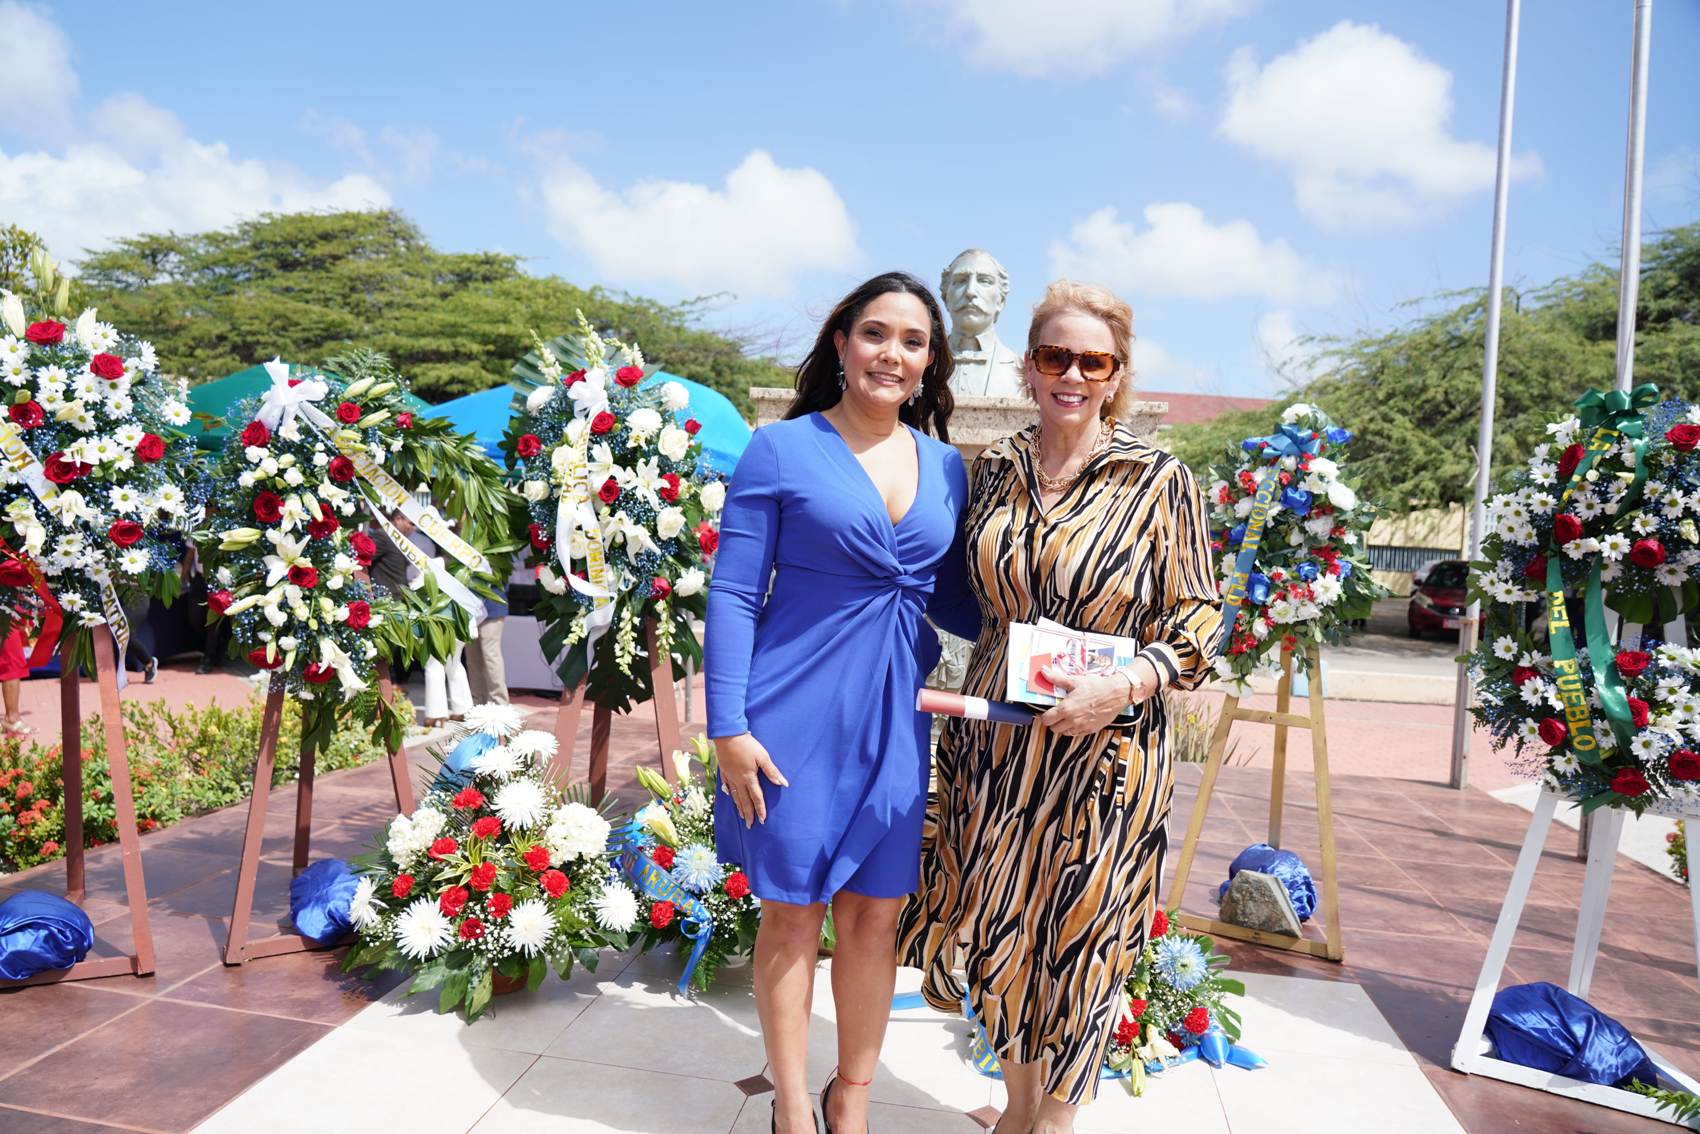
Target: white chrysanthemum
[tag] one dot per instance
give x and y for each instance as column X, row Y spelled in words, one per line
column 643, row 423
column 364, row 909
column 529, row 926
column 576, row 831
column 539, row 397
column 410, row 835
column 615, row 908
column 521, row 804
column 534, row 743
column 696, row 868
column 499, row 763
column 421, row 930
column 499, row 721
column 1505, row 647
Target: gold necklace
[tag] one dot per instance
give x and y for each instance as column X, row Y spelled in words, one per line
column 1052, row 484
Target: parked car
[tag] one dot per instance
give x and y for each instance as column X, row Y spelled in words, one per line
column 1438, row 598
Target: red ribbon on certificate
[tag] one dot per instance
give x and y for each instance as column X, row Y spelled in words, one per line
column 53, row 621
column 940, row 703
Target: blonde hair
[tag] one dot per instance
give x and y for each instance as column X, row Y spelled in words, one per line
column 1067, row 296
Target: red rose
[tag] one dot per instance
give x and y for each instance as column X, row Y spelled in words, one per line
column 1565, row 528
column 737, row 884
column 1683, row 437
column 268, row 507
column 1536, row 571
column 256, row 433
column 555, row 883
column 443, row 847
column 219, row 601
column 125, row 533
column 150, row 448
column 1136, row 1009
column 629, row 376
column 528, row 445
column 1197, row 1021
column 453, row 900
column 341, row 470
column 107, row 366
column 359, row 614
column 487, row 828
column 468, row 799
column 1126, row 1032
column 471, row 929
column 1568, row 460
column 602, row 422
column 1523, row 673
column 364, row 547
column 663, row 856
column 1633, row 663
column 27, row 415
column 537, row 533
column 1647, row 553
column 692, row 425
column 707, row 538
column 537, row 857
column 45, row 333
column 304, row 576
column 316, row 674
column 661, row 915
column 500, row 904
column 609, row 492
column 257, row 657
column 483, row 877
column 404, row 420
column 13, row 573
column 348, row 413
column 670, row 491
column 61, row 470
column 1159, row 923
column 1629, row 782
column 1638, row 712
column 574, row 378
column 659, row 587
column 326, row 525
column 403, row 885
column 1685, row 764
column 1553, row 731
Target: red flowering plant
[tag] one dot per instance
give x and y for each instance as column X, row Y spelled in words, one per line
column 1177, row 993
column 624, row 511
column 676, row 829
column 1602, row 519
column 1676, row 845
column 497, row 877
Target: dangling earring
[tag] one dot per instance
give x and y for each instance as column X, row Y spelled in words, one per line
column 916, row 395
column 842, row 384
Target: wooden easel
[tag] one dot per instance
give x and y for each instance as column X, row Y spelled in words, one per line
column 1332, row 948
column 106, row 663
column 602, row 721
column 237, row 947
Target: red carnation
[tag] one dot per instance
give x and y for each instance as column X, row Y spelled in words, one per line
column 1553, row 731
column 1536, row 571
column 468, row 799
column 348, row 413
column 13, row 573
column 661, row 915
column 453, row 900
column 1638, row 712
column 659, row 587
column 1565, row 528
column 26, row 415
column 537, row 857
column 669, row 491
column 1159, row 923
column 528, row 445
column 443, row 847
column 304, row 576
column 1126, row 1032
column 364, row 547
column 537, row 533
column 1524, row 673
column 268, row 507
column 403, row 885
column 500, row 904
column 359, row 614
column 609, row 492
column 317, row 674
column 45, row 333
column 1633, row 663
column 1685, row 764
column 487, row 828
column 257, row 657
column 61, row 470
column 1568, row 460
column 574, row 378
column 150, row 448
column 555, row 883
column 1629, row 782
column 707, row 537
column 602, row 422
column 1197, row 1021
column 1648, row 553
column 629, row 376
column 107, row 366
column 663, row 856
column 1683, row 437
column 471, row 929
column 483, row 876
column 737, row 884
column 219, row 601
column 341, row 470
column 692, row 425
column 1135, row 1009
column 404, row 420
column 326, row 525
column 256, row 433
column 125, row 533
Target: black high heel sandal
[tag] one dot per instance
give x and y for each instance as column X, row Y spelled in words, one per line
column 773, row 1118
column 826, row 1093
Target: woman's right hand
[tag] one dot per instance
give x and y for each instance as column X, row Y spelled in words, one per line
column 743, row 761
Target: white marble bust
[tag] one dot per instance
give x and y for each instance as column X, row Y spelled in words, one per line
column 975, row 287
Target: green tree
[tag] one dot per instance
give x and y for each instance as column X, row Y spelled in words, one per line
column 311, row 285
column 16, row 244
column 1412, row 394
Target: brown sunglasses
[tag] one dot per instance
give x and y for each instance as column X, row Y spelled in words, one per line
column 1095, row 365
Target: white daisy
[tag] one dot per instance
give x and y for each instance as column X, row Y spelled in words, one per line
column 1542, row 501
column 87, row 388
column 421, row 930
column 51, row 397
column 175, row 412
column 81, row 418
column 1529, row 731
column 1534, row 692
column 12, row 348
column 530, row 924
column 1505, row 647
column 120, row 405
column 1566, row 764
column 14, row 373
column 615, row 908
column 521, row 804
column 133, row 560
column 125, row 500
column 169, row 498
column 1614, row 545
column 363, row 908
column 499, row 721
column 1645, row 745
column 146, row 355
column 1586, row 506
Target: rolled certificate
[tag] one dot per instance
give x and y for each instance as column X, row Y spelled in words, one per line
column 940, row 703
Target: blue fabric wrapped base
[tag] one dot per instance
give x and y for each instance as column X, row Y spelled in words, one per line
column 1542, row 1026
column 456, row 770
column 41, row 933
column 1285, row 866
column 319, row 898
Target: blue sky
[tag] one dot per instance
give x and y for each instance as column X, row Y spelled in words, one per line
column 1241, row 171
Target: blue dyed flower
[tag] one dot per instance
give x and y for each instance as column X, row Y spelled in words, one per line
column 1181, row 962
column 1338, row 436
column 696, row 869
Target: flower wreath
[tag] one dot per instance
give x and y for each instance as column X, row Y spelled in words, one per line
column 1290, row 526
column 624, row 514
column 1602, row 518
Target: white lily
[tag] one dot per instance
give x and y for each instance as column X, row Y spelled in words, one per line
column 12, row 310
column 86, row 326
column 280, row 404
column 288, row 552
column 332, row 655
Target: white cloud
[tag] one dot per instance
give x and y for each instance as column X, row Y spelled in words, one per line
column 750, row 236
column 406, row 154
column 1154, row 368
column 1674, row 176
column 1076, row 37
column 414, row 149
column 1172, row 104
column 1363, row 123
column 1179, row 252
column 37, row 83
column 1284, row 356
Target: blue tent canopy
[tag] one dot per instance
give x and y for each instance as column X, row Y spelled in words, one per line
column 723, row 435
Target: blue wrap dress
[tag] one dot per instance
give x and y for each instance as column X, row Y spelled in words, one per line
column 823, row 670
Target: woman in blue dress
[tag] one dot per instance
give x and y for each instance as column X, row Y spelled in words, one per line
column 841, row 530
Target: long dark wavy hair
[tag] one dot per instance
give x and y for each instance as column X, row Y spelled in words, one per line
column 817, row 375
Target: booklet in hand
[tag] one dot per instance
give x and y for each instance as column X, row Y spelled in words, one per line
column 1033, row 646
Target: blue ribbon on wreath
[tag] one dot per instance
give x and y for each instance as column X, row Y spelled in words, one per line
column 1288, row 441
column 655, row 883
